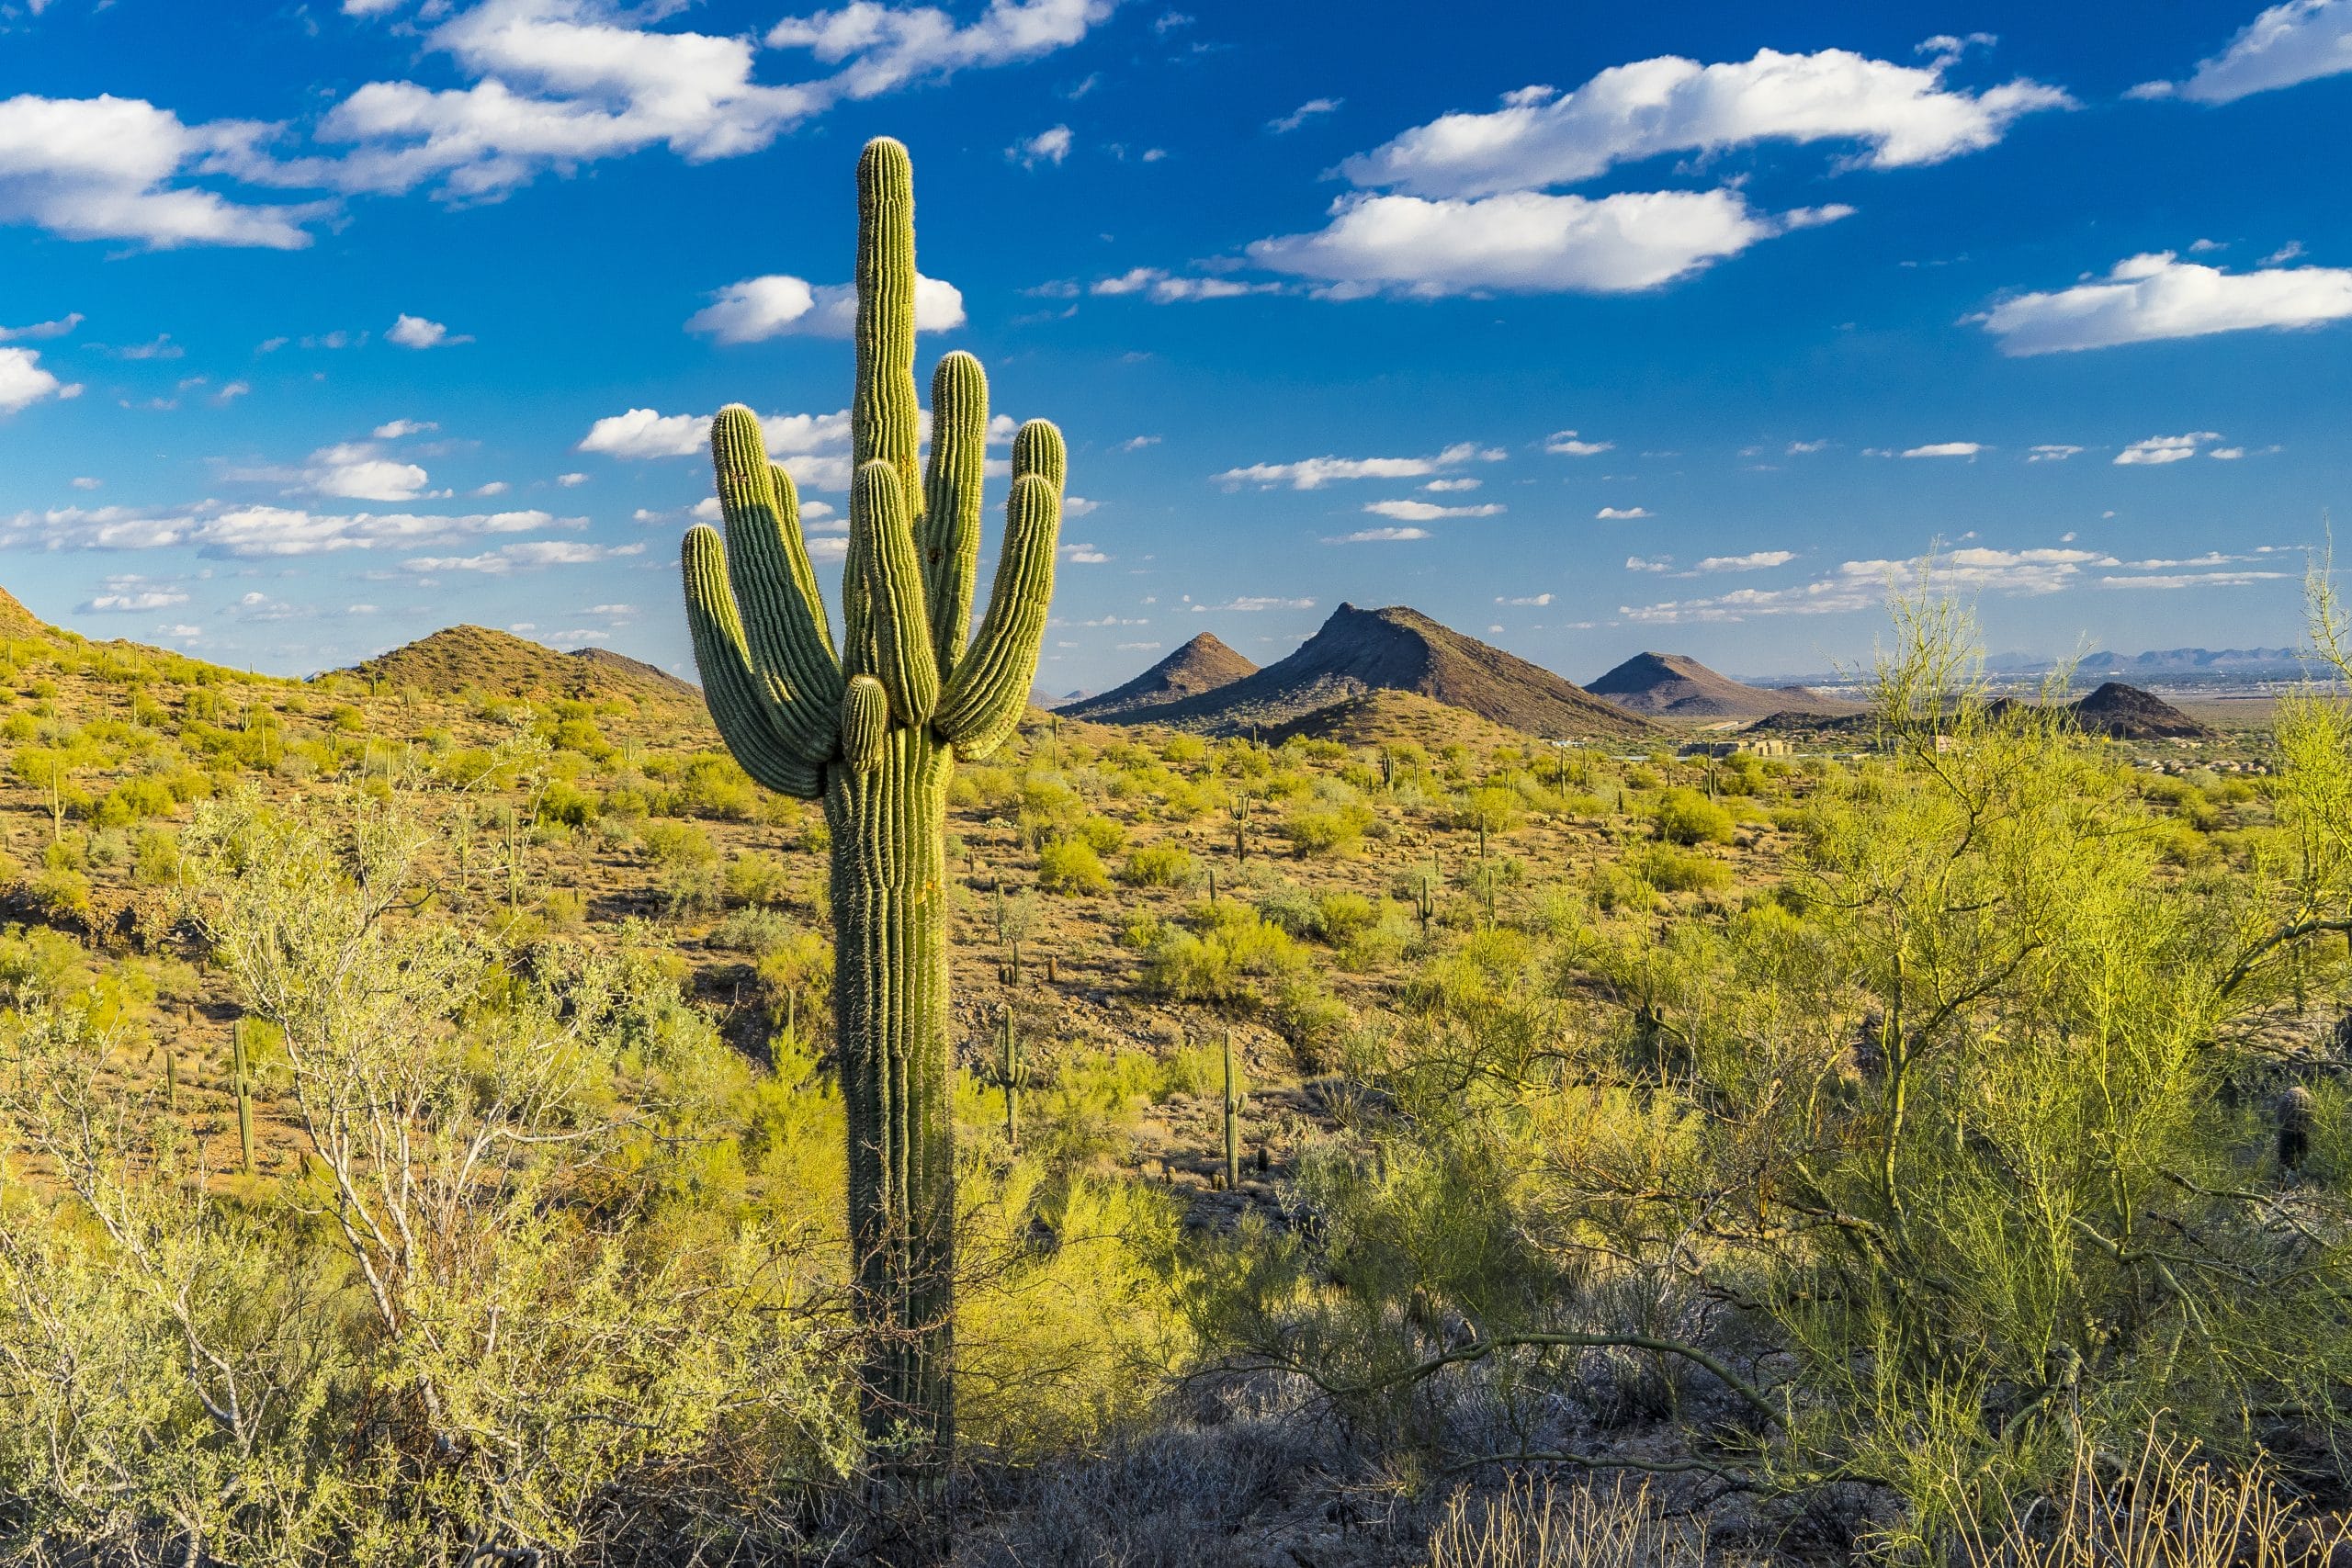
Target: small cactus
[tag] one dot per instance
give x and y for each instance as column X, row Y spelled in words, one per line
column 1011, row 1074
column 2291, row 1113
column 241, row 1084
column 1236, row 1101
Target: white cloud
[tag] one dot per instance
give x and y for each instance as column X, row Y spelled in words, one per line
column 86, row 482
column 529, row 554
column 1313, row 473
column 1252, row 602
column 127, row 595
column 2299, row 41
column 1534, row 601
column 1945, row 449
column 1304, row 112
column 1564, row 443
column 814, row 447
column 1047, row 147
column 349, row 470
column 1525, row 242
column 2051, row 452
column 37, row 331
column 1429, row 511
column 1138, row 443
column 2165, row 448
column 1901, row 114
column 400, row 428
column 1166, row 289
column 495, row 487
column 1613, row 513
column 1378, row 537
column 1441, row 487
column 220, row 528
column 415, row 331
column 110, row 168
column 2197, row 579
column 1755, row 560
column 881, row 47
column 1083, row 554
column 1649, row 563
column 1805, row 448
column 23, row 382
column 2145, row 299
column 779, row 304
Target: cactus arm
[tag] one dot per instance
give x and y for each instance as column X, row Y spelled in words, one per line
column 949, row 535
column 990, row 691
column 745, row 709
column 1037, row 450
column 780, row 613
column 907, row 668
column 883, row 420
column 865, row 723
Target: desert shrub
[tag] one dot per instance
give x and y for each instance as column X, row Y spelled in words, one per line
column 1099, row 834
column 1070, row 867
column 755, row 931
column 1670, row 870
column 1235, row 954
column 1328, row 830
column 759, row 877
column 1533, row 1523
column 565, row 802
column 1685, row 816
column 1157, row 865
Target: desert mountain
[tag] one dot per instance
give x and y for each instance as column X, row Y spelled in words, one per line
column 458, row 657
column 17, row 621
column 2128, row 713
column 1674, row 686
column 1396, row 649
column 1203, row 664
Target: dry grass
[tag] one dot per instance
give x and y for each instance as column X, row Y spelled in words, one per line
column 1534, row 1524
column 2168, row 1509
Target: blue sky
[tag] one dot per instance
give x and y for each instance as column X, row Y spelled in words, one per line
column 1586, row 330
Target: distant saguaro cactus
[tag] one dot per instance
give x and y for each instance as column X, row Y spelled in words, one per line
column 873, row 726
column 1236, row 1101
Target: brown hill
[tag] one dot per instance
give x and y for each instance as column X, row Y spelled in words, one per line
column 1373, row 718
column 1396, row 650
column 1675, row 686
column 17, row 621
column 2128, row 713
column 458, row 658
column 1203, row 664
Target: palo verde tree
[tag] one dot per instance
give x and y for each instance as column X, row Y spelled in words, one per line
column 872, row 726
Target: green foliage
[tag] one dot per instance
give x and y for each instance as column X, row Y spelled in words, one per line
column 1686, row 817
column 1157, row 865
column 1071, row 865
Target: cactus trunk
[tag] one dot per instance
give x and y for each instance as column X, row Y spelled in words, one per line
column 892, row 1030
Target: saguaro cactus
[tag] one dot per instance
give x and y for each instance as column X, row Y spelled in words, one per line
column 1011, row 1074
column 872, row 726
column 241, row 1083
column 1236, row 1101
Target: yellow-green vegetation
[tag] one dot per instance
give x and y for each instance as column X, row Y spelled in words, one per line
column 1892, row 1140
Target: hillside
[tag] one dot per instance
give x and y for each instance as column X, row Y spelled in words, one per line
column 17, row 621
column 1203, row 664
column 1399, row 649
column 2128, row 713
column 460, row 658
column 1372, row 719
column 1675, row 686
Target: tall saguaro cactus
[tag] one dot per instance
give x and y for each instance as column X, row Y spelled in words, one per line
column 873, row 726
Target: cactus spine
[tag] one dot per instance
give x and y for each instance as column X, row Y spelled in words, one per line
column 1235, row 1101
column 872, row 728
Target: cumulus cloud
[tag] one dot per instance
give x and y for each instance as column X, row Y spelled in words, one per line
column 1755, row 560
column 415, row 331
column 225, row 529
column 1313, row 473
column 2051, row 452
column 2145, row 299
column 1429, row 511
column 880, row 48
column 1249, row 604
column 1378, row 537
column 400, row 428
column 131, row 595
column 528, row 554
column 348, row 470
column 1525, row 242
column 23, row 382
column 1944, row 449
column 1050, row 146
column 2299, row 41
column 37, row 331
column 1615, row 514
column 110, row 168
column 1565, row 443
column 779, row 304
column 1899, row 114
column 1534, row 600
column 814, row 447
column 1166, row 289
column 2167, row 448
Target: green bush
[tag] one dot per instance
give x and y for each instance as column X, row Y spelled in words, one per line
column 1069, row 867
column 1685, row 816
column 1157, row 865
